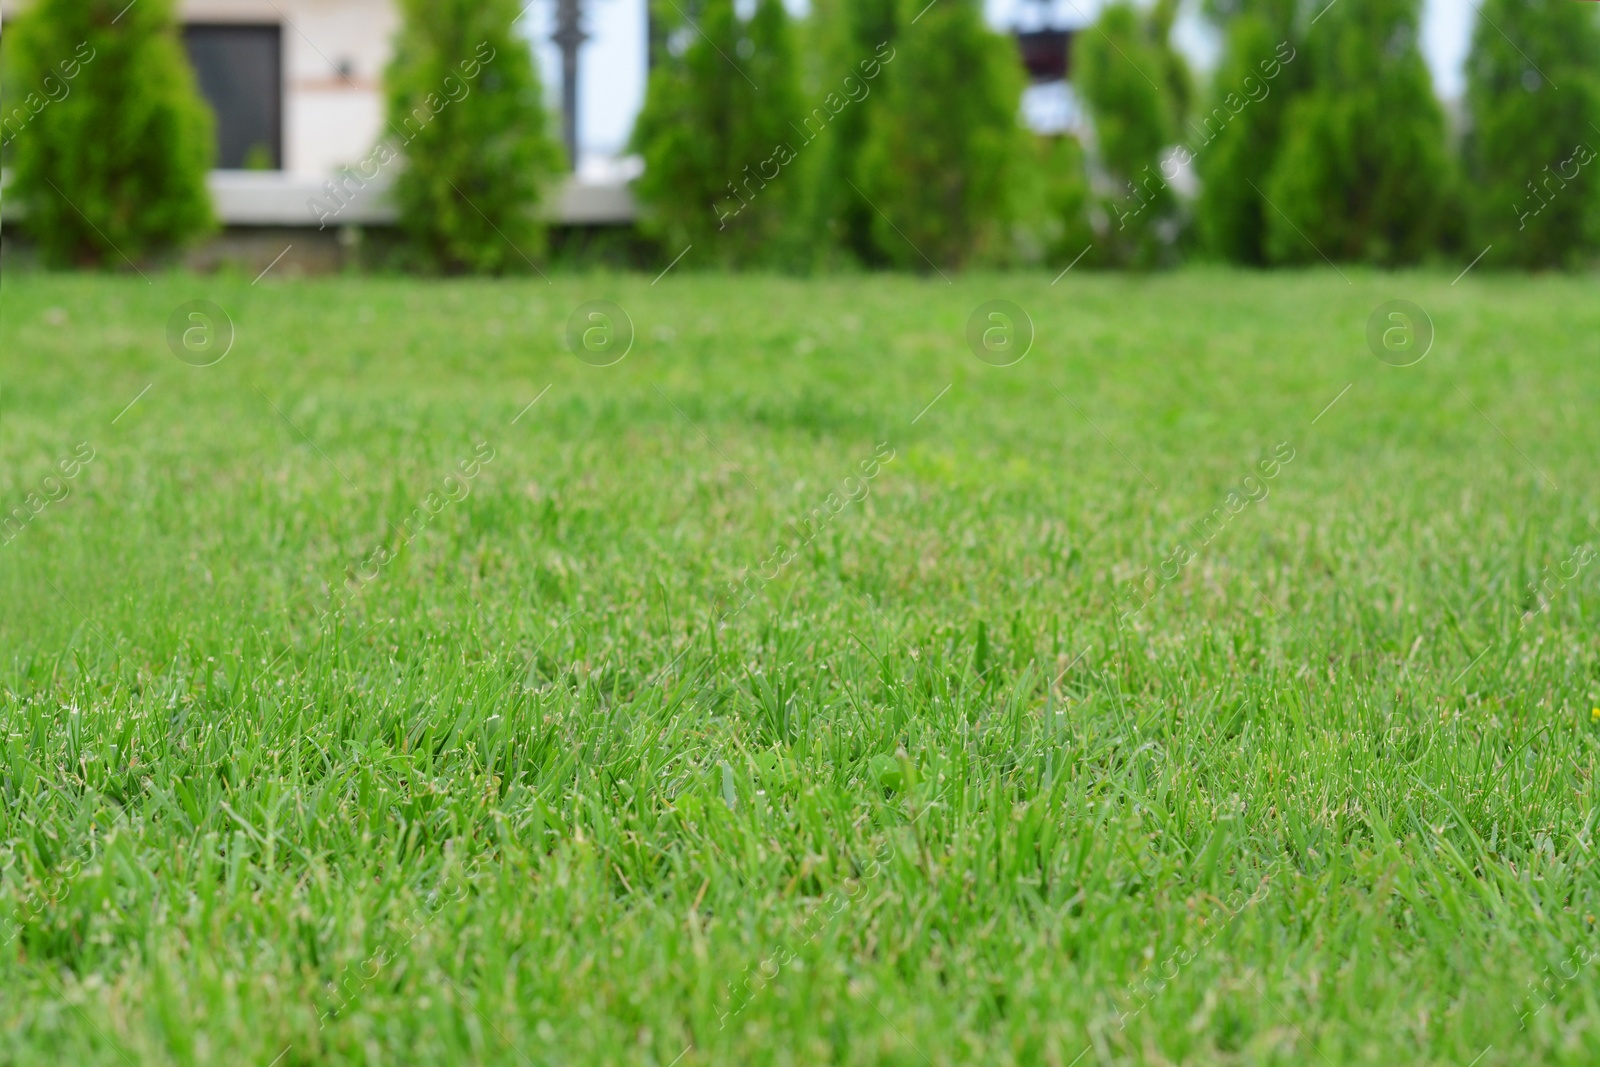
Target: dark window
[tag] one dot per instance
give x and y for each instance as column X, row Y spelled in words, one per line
column 1046, row 54
column 240, row 74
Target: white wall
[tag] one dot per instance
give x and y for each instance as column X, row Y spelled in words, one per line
column 329, row 119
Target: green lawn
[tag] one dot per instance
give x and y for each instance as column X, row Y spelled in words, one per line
column 349, row 717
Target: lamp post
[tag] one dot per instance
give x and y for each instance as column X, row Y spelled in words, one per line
column 569, row 37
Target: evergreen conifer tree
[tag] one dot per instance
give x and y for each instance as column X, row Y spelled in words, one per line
column 466, row 111
column 1237, row 139
column 936, row 167
column 111, row 141
column 1363, row 173
column 1063, row 202
column 1135, row 88
column 1533, row 147
column 718, row 137
column 855, row 37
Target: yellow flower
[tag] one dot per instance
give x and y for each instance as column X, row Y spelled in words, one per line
column 1594, row 715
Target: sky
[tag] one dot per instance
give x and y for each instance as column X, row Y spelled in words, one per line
column 612, row 64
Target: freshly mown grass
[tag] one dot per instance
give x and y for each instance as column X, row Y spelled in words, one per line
column 542, row 779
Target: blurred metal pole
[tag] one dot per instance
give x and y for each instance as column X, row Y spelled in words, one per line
column 569, row 37
column 655, row 36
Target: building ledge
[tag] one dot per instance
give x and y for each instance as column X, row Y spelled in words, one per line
column 276, row 198
column 271, row 198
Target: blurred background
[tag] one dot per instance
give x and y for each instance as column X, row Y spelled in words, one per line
column 612, row 79
column 1020, row 133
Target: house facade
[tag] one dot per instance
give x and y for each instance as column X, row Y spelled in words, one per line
column 296, row 84
column 297, row 89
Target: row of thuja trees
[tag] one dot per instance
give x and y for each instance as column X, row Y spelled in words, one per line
column 762, row 152
column 882, row 133
column 885, row 132
column 109, row 141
